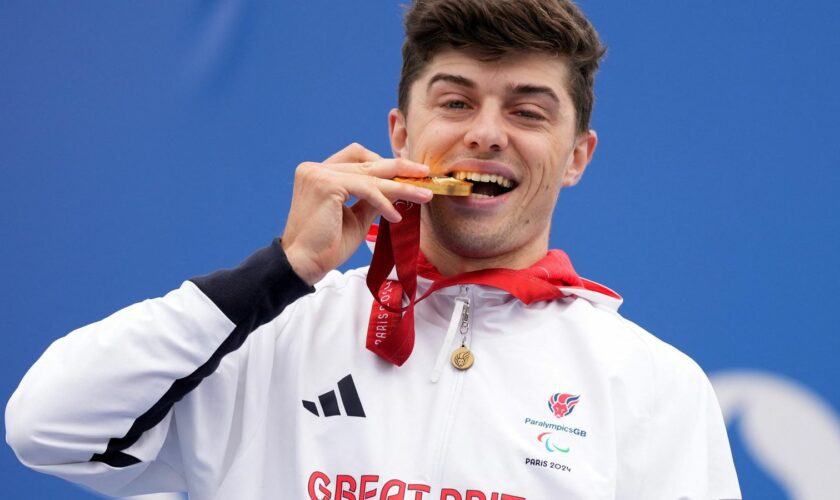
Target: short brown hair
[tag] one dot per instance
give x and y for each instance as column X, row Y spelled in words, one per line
column 493, row 29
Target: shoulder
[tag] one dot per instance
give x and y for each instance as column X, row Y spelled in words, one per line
column 677, row 382
column 666, row 365
column 668, row 361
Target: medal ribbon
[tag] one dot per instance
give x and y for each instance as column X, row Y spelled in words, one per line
column 391, row 326
column 394, row 340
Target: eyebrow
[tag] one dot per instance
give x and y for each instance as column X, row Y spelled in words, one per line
column 535, row 90
column 522, row 90
column 455, row 79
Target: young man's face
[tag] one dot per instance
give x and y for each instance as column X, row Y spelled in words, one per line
column 511, row 121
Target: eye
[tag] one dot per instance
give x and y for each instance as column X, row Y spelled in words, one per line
column 454, row 104
column 529, row 114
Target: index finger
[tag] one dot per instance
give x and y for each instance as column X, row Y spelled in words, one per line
column 354, row 153
column 385, row 168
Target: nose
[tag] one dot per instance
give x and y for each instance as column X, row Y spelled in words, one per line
column 487, row 131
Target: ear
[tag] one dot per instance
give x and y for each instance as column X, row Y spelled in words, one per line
column 581, row 156
column 398, row 133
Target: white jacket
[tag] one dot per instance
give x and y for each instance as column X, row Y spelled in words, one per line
column 208, row 390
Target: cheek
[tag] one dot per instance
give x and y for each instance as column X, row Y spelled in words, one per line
column 554, row 166
column 549, row 186
column 548, row 164
column 433, row 145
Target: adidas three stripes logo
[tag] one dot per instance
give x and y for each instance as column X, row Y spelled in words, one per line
column 329, row 402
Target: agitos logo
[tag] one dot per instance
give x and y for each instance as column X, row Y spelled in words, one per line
column 562, row 404
column 548, row 439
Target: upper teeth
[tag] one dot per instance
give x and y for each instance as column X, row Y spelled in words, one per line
column 479, row 177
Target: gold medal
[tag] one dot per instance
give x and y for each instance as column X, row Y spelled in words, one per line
column 448, row 186
column 462, row 358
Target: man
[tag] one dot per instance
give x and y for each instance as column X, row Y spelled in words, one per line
column 498, row 374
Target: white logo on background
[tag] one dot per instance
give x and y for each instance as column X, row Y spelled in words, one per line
column 789, row 430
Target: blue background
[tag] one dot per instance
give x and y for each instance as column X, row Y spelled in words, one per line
column 142, row 143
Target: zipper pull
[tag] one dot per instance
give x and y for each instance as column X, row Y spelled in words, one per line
column 458, row 323
column 462, row 358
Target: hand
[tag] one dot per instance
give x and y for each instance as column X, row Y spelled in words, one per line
column 321, row 231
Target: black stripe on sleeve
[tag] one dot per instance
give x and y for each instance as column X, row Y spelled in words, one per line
column 115, row 459
column 250, row 295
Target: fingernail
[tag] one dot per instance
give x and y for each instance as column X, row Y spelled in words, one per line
column 425, row 193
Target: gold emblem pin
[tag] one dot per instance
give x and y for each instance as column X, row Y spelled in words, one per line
column 462, row 358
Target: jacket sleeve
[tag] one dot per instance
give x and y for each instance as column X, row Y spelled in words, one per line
column 96, row 407
column 688, row 454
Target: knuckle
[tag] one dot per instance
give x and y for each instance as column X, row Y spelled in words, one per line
column 306, row 166
column 304, row 169
column 355, row 148
column 311, row 173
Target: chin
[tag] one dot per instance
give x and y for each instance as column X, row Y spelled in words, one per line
column 473, row 242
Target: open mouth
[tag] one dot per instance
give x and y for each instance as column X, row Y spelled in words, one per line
column 486, row 185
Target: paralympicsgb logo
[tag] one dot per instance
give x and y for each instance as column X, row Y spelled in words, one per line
column 562, row 404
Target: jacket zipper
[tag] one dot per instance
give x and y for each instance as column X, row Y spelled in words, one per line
column 458, row 323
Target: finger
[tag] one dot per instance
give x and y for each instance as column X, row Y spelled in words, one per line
column 385, row 168
column 354, row 153
column 380, row 204
column 392, row 190
column 381, row 193
column 365, row 213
